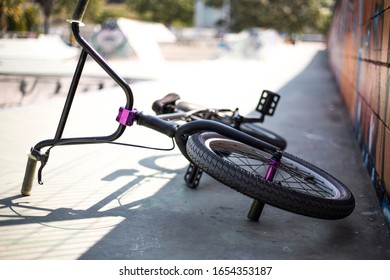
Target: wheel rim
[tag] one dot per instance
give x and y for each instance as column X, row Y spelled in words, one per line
column 290, row 174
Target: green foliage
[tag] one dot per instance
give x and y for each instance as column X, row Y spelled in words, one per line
column 31, row 17
column 97, row 11
column 116, row 11
column 283, row 15
column 169, row 12
column 47, row 6
column 63, row 9
column 290, row 16
column 214, row 3
column 18, row 16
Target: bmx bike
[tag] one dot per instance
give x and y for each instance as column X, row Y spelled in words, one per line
column 245, row 163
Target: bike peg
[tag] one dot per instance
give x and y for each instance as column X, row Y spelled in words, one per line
column 192, row 176
column 255, row 211
column 268, row 102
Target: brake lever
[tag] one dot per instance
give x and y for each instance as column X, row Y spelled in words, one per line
column 43, row 158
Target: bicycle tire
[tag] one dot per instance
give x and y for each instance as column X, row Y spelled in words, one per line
column 249, row 128
column 298, row 186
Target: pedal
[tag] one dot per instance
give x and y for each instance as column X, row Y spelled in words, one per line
column 267, row 103
column 193, row 175
column 166, row 104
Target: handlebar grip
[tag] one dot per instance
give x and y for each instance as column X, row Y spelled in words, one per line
column 165, row 127
column 79, row 11
column 29, row 175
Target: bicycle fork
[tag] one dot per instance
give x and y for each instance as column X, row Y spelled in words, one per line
column 194, row 173
column 257, row 206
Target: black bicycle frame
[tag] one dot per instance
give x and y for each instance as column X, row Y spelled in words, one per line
column 86, row 50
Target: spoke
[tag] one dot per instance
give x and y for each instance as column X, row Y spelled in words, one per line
column 306, row 181
column 297, row 181
column 248, row 162
column 289, row 175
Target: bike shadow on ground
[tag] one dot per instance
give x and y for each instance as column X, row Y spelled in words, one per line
column 163, row 225
column 62, row 214
column 17, row 202
column 210, row 223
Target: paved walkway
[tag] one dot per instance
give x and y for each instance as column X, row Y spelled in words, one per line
column 112, row 202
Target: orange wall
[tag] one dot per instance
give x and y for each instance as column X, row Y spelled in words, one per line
column 359, row 55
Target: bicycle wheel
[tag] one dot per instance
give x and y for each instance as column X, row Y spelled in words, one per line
column 298, row 186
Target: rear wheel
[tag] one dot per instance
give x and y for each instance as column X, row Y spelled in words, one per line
column 298, row 186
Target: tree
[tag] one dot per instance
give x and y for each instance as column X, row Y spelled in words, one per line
column 169, row 12
column 290, row 16
column 18, row 16
column 293, row 16
column 63, row 9
column 114, row 11
column 47, row 7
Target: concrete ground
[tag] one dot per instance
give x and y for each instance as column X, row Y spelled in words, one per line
column 113, row 202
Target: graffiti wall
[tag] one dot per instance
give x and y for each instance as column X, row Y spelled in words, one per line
column 359, row 54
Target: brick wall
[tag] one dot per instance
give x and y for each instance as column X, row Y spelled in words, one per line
column 359, row 55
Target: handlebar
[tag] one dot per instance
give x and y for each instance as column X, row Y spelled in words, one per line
column 165, row 127
column 79, row 11
column 29, row 175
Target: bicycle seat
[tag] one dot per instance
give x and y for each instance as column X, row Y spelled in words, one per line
column 166, row 104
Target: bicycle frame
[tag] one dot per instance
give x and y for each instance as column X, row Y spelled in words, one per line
column 58, row 140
